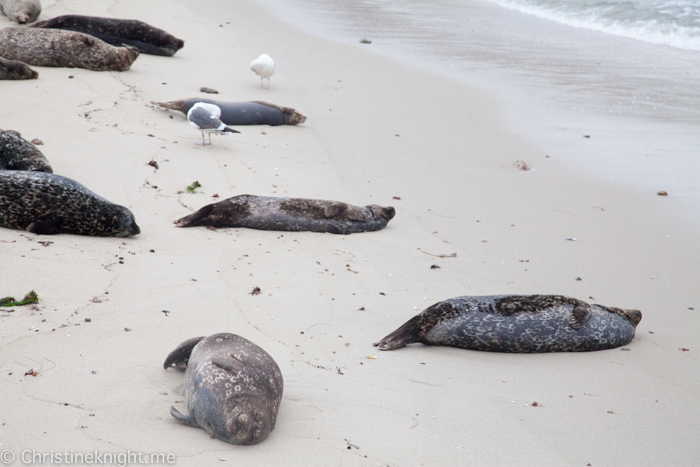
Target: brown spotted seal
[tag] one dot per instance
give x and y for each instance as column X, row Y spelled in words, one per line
column 21, row 11
column 12, row 69
column 48, row 204
column 115, row 31
column 518, row 323
column 290, row 214
column 58, row 48
column 242, row 113
column 16, row 153
column 233, row 387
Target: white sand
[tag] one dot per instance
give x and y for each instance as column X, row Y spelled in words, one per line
column 451, row 165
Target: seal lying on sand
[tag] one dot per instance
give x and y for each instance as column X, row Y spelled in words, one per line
column 518, row 323
column 12, row 69
column 290, row 214
column 58, row 48
column 48, row 204
column 233, row 387
column 21, row 11
column 242, row 113
column 146, row 38
column 16, row 153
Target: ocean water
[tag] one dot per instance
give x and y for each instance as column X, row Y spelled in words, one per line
column 626, row 72
column 675, row 23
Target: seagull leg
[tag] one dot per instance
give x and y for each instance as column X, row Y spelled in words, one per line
column 203, row 143
column 210, row 137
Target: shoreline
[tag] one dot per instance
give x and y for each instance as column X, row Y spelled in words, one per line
column 325, row 298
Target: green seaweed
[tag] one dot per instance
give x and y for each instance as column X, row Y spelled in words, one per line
column 193, row 187
column 28, row 299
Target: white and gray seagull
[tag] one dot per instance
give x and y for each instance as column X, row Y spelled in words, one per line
column 263, row 66
column 205, row 117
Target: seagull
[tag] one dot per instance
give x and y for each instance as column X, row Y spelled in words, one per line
column 263, row 66
column 205, row 117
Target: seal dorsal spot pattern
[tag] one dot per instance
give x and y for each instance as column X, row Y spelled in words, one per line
column 46, row 203
column 16, row 153
column 233, row 387
column 290, row 214
column 518, row 323
column 146, row 38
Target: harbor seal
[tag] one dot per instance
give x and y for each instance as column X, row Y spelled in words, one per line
column 58, row 48
column 518, row 323
column 233, row 387
column 290, row 214
column 115, row 31
column 16, row 153
column 21, row 11
column 242, row 113
column 48, row 204
column 12, row 69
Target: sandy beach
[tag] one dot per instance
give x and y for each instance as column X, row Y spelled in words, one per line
column 378, row 132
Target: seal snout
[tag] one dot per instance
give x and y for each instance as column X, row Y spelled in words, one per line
column 633, row 316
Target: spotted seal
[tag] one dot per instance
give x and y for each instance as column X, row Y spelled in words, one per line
column 242, row 113
column 48, row 204
column 59, row 48
column 115, row 31
column 16, row 153
column 290, row 214
column 21, row 11
column 233, row 387
column 518, row 323
column 12, row 69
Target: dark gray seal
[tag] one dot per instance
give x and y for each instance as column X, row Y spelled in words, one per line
column 21, row 11
column 233, row 387
column 518, row 323
column 242, row 113
column 58, row 48
column 12, row 69
column 48, row 204
column 115, row 31
column 290, row 214
column 16, row 153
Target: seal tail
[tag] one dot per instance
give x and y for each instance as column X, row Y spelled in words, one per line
column 195, row 219
column 172, row 105
column 406, row 334
column 183, row 418
column 181, row 355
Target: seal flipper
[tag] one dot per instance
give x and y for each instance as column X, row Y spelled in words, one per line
column 406, row 334
column 231, row 364
column 45, row 226
column 334, row 209
column 196, row 218
column 188, row 419
column 580, row 316
column 181, row 354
